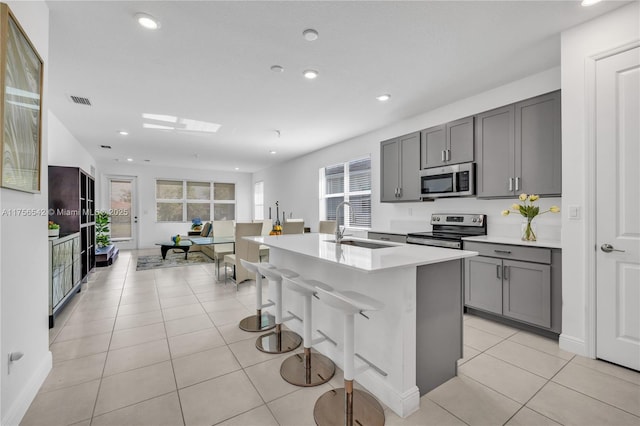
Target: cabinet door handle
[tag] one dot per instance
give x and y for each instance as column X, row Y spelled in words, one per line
column 510, row 184
column 399, row 192
column 448, row 155
column 498, row 272
column 395, row 194
column 504, row 273
column 517, row 183
column 503, row 251
column 443, row 155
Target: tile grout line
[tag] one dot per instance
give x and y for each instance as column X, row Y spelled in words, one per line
column 95, row 403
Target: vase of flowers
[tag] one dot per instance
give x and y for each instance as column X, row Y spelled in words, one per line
column 54, row 229
column 196, row 224
column 529, row 212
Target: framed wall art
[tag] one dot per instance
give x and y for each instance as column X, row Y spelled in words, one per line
column 21, row 74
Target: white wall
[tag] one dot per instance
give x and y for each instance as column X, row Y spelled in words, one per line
column 23, row 260
column 64, row 148
column 295, row 183
column 150, row 231
column 578, row 44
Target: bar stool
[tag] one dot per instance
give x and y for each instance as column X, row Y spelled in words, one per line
column 259, row 321
column 346, row 405
column 310, row 369
column 278, row 341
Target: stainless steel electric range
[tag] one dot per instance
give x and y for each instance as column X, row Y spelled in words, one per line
column 449, row 229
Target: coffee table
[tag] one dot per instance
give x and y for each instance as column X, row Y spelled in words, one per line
column 168, row 245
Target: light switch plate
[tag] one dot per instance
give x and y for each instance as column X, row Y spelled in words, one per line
column 574, row 212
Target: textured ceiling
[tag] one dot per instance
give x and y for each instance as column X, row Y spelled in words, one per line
column 210, row 61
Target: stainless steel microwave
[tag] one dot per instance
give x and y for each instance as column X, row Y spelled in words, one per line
column 457, row 180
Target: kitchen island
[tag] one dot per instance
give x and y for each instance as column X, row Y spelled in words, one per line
column 416, row 339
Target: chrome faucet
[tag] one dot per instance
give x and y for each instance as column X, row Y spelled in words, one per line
column 340, row 234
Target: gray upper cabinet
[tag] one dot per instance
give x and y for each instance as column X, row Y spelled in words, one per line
column 518, row 148
column 399, row 168
column 450, row 143
column 495, row 152
column 539, row 145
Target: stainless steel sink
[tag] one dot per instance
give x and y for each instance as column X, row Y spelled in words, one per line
column 363, row 244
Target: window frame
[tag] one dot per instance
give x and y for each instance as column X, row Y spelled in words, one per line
column 258, row 208
column 346, row 194
column 185, row 200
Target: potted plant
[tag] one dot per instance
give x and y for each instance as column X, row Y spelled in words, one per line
column 102, row 229
column 54, row 229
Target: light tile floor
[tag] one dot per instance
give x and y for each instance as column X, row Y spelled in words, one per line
column 162, row 347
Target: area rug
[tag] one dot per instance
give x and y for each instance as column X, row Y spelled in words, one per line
column 172, row 260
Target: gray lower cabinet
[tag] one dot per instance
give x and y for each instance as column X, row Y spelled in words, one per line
column 450, row 143
column 515, row 282
column 519, row 148
column 399, row 168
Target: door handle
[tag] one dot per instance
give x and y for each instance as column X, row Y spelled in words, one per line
column 399, row 192
column 608, row 248
column 510, row 184
column 135, row 219
column 498, row 272
column 504, row 273
column 448, row 155
column 443, row 155
column 517, row 183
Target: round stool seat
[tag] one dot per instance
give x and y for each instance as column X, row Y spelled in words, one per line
column 276, row 274
column 350, row 302
column 306, row 287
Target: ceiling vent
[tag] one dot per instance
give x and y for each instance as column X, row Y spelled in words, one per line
column 105, row 146
column 80, row 100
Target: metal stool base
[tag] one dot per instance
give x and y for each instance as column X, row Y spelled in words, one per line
column 278, row 342
column 321, row 369
column 258, row 323
column 330, row 409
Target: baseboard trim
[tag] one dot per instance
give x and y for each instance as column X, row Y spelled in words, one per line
column 16, row 412
column 573, row 344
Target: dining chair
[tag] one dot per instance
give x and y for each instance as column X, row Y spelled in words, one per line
column 267, row 226
column 222, row 228
column 246, row 250
column 292, row 228
column 327, row 227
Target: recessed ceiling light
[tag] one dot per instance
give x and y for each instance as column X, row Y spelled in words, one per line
column 310, row 74
column 383, row 98
column 277, row 68
column 310, row 34
column 123, row 132
column 236, row 168
column 272, row 152
column 147, row 21
column 589, row 2
column 129, row 159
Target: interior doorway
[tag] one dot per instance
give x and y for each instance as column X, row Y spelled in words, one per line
column 122, row 207
column 617, row 140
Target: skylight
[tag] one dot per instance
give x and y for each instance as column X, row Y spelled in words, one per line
column 180, row 124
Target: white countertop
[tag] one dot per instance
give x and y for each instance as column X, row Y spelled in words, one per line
column 368, row 260
column 515, row 241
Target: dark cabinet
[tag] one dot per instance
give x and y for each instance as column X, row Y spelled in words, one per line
column 519, row 148
column 450, row 143
column 399, row 168
column 72, row 206
column 515, row 282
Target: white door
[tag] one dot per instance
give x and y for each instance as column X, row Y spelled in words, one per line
column 122, row 206
column 618, row 208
